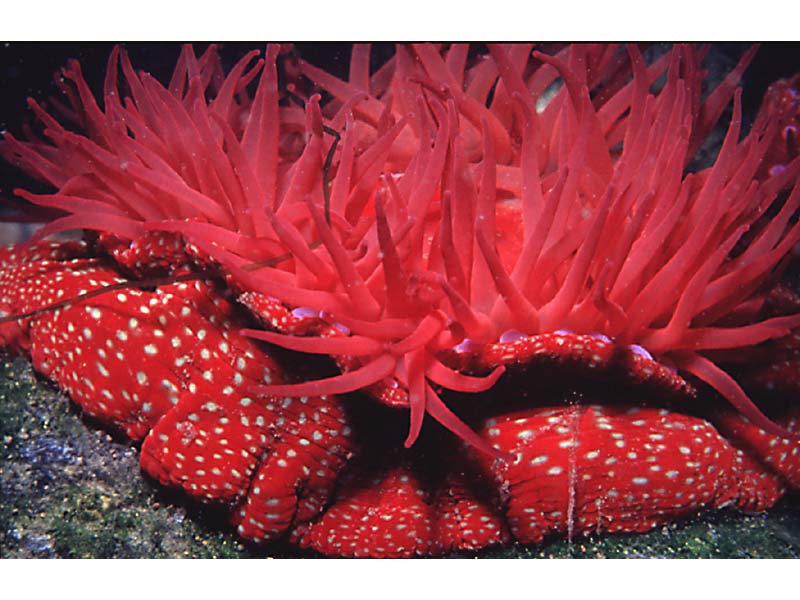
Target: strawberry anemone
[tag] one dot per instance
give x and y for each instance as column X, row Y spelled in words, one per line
column 447, row 229
column 443, row 204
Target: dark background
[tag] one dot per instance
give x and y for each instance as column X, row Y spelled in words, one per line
column 27, row 69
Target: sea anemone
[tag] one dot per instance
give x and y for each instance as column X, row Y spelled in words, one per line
column 447, row 205
column 601, row 231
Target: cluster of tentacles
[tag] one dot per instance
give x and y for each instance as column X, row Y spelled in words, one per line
column 509, row 243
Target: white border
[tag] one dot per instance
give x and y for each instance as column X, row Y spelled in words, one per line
column 402, row 580
column 311, row 20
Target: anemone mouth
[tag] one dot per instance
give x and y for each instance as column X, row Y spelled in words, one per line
column 408, row 363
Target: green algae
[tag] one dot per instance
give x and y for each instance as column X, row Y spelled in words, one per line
column 68, row 489
column 717, row 534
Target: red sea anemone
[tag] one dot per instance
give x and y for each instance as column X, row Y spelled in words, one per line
column 447, row 229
